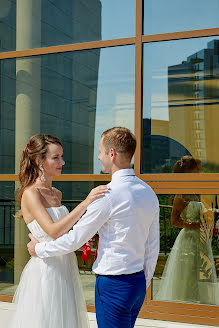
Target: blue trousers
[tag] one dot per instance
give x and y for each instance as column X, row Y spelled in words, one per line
column 118, row 300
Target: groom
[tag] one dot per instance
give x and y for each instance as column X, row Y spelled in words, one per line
column 127, row 219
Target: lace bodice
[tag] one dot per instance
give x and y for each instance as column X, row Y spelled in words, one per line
column 56, row 213
column 192, row 212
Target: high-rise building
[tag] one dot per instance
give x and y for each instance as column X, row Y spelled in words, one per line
column 193, row 103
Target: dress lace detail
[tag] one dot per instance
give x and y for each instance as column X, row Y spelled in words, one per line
column 50, row 294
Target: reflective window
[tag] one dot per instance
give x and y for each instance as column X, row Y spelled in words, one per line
column 187, row 267
column 14, row 237
column 75, row 95
column 48, row 23
column 172, row 16
column 7, row 224
column 180, row 104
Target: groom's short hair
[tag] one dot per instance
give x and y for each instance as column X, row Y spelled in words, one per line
column 121, row 139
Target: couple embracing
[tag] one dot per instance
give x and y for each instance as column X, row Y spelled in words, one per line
column 125, row 213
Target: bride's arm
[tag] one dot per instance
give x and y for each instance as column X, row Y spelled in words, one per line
column 179, row 204
column 32, row 201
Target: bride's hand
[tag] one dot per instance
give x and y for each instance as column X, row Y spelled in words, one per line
column 96, row 193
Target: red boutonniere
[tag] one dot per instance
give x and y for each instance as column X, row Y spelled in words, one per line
column 86, row 252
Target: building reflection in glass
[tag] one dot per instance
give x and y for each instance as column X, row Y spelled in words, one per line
column 193, row 111
column 194, row 104
column 52, row 23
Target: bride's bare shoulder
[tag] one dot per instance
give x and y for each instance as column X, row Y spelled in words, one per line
column 30, row 193
column 30, row 200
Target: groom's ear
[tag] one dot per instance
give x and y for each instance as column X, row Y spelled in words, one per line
column 112, row 153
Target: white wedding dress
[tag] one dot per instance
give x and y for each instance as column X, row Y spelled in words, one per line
column 50, row 294
column 189, row 274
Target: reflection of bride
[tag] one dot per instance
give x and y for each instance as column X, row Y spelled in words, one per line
column 189, row 274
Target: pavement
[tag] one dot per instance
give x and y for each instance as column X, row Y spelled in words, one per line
column 6, row 311
column 143, row 323
column 88, row 282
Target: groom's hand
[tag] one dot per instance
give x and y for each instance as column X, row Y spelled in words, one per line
column 31, row 245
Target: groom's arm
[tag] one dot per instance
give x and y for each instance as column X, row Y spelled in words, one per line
column 97, row 214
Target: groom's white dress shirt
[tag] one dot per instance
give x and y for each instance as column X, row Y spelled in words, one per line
column 127, row 219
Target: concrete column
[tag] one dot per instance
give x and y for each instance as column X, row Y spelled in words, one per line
column 28, row 76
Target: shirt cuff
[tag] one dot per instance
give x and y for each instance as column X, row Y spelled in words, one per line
column 39, row 249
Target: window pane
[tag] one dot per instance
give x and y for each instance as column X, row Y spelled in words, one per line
column 48, row 23
column 14, row 237
column 75, row 95
column 186, row 268
column 180, row 104
column 176, row 15
column 7, row 224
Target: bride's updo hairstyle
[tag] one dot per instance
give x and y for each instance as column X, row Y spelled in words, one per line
column 187, row 164
column 36, row 148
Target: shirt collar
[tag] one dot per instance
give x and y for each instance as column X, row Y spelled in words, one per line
column 122, row 173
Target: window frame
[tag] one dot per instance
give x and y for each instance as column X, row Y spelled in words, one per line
column 202, row 183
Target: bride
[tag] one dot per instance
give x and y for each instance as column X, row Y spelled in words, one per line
column 49, row 294
column 189, row 274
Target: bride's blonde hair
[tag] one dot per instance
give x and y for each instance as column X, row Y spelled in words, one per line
column 36, row 147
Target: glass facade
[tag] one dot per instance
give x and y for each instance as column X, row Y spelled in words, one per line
column 31, row 24
column 180, row 103
column 7, row 233
column 175, row 16
column 82, row 92
column 161, row 84
column 187, row 268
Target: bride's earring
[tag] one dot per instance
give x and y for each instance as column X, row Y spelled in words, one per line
column 42, row 178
